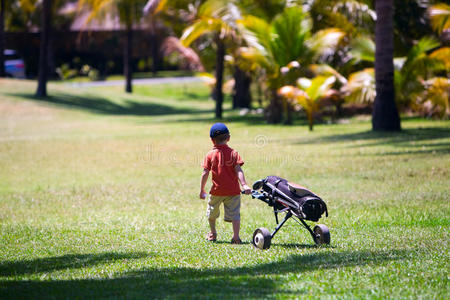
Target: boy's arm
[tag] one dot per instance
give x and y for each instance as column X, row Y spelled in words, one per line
column 203, row 181
column 241, row 177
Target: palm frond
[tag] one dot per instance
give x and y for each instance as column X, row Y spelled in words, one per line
column 327, row 70
column 442, row 54
column 256, row 57
column 290, row 30
column 256, row 32
column 324, row 42
column 189, row 58
column 355, row 10
column 213, row 8
column 418, row 63
column 437, row 95
column 154, row 6
column 193, row 32
column 363, row 49
column 97, row 9
column 439, row 15
column 219, row 16
column 424, row 45
column 319, row 86
column 360, row 87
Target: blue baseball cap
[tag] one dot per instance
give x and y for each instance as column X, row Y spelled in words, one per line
column 218, row 129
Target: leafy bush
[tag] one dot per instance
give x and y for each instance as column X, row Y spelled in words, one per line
column 65, row 72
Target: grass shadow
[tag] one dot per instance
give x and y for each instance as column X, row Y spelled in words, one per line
column 251, row 281
column 105, row 106
column 411, row 139
column 297, row 246
column 406, row 135
column 68, row 261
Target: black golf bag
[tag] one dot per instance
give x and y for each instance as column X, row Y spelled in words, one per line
column 304, row 203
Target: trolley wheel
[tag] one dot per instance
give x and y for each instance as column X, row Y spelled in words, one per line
column 262, row 238
column 322, row 234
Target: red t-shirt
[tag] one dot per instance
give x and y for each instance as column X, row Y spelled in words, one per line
column 221, row 161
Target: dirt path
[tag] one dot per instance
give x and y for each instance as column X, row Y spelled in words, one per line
column 142, row 81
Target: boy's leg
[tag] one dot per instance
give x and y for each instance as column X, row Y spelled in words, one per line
column 232, row 207
column 213, row 212
column 236, row 228
column 212, row 226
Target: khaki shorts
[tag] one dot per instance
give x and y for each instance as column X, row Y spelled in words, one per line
column 231, row 204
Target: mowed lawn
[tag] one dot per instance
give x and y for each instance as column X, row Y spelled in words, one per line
column 99, row 199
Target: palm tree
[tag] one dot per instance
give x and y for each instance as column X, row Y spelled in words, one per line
column 43, row 53
column 309, row 93
column 286, row 40
column 413, row 74
column 151, row 11
column 129, row 13
column 214, row 17
column 385, row 115
column 413, row 69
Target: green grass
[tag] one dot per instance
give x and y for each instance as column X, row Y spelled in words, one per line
column 98, row 199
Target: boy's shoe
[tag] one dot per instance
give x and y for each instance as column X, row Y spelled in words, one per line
column 236, row 242
column 211, row 237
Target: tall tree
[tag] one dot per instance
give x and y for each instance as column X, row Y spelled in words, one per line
column 242, row 97
column 285, row 41
column 385, row 115
column 220, row 59
column 2, row 37
column 216, row 17
column 128, row 57
column 43, row 53
column 152, row 11
column 129, row 13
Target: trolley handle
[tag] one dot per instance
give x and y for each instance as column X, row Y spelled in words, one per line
column 243, row 192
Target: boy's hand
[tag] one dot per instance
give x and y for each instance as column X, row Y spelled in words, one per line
column 202, row 195
column 247, row 189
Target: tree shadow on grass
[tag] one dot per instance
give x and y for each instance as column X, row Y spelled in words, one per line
column 406, row 135
column 105, row 106
column 68, row 261
column 407, row 138
column 261, row 280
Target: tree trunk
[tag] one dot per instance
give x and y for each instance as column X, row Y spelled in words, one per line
column 155, row 52
column 385, row 115
column 310, row 121
column 241, row 96
column 2, row 38
column 260, row 94
column 51, row 69
column 127, row 59
column 43, row 52
column 288, row 112
column 220, row 57
column 274, row 111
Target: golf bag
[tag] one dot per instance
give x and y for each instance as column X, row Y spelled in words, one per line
column 287, row 196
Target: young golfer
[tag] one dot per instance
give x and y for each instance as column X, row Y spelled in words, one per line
column 225, row 165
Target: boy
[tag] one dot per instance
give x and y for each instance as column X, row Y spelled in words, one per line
column 225, row 165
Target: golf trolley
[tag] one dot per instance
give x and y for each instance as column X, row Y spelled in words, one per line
column 294, row 200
